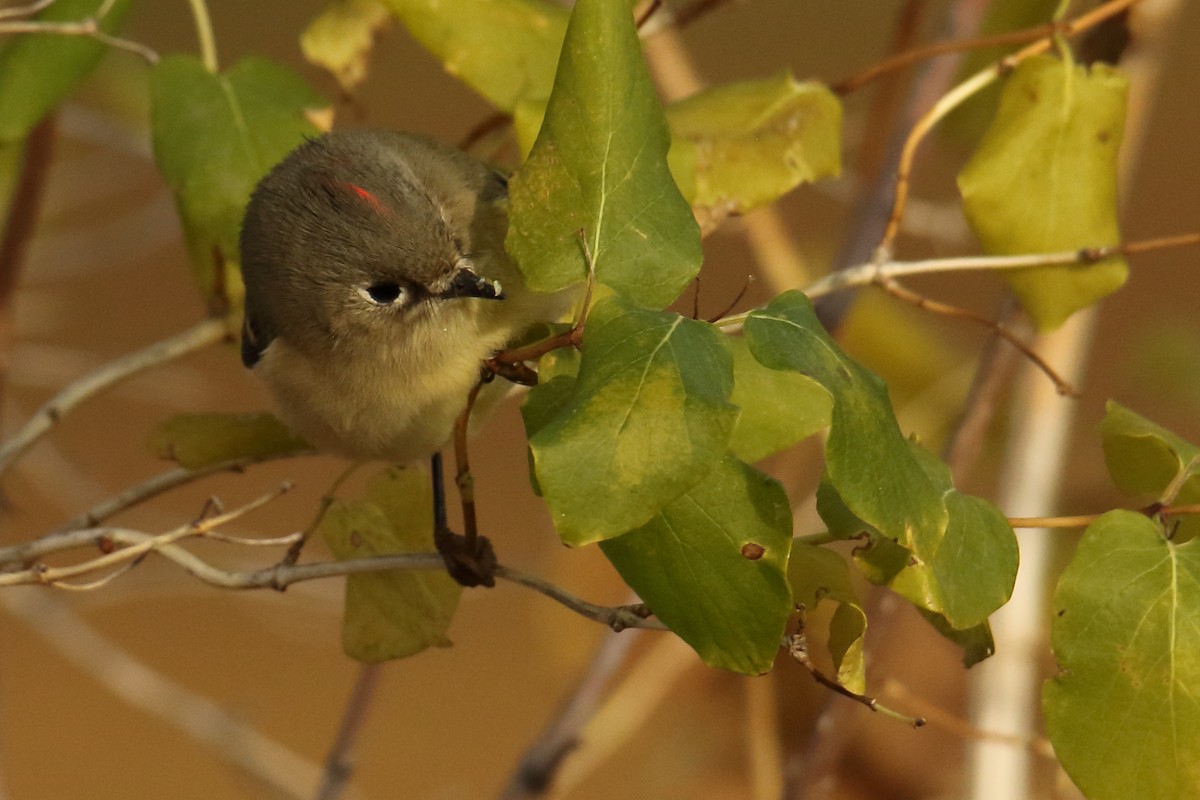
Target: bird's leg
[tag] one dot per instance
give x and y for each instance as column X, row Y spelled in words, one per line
column 469, row 557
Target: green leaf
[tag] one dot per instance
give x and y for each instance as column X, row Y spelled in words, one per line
column 1044, row 179
column 816, row 575
column 647, row 419
column 215, row 136
column 195, row 441
column 711, row 566
column 1148, row 460
column 41, row 69
column 340, row 38
column 504, row 49
column 391, row 614
column 740, row 146
column 778, row 408
column 1123, row 713
column 600, row 166
column 867, row 457
column 949, row 553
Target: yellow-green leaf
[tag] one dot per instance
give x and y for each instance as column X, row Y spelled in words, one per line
column 1044, row 180
column 647, row 419
column 742, row 145
column 195, row 441
column 1146, row 459
column 391, row 614
column 777, row 407
column 340, row 38
column 818, row 575
column 504, row 49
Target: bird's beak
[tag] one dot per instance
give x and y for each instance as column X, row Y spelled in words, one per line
column 468, row 283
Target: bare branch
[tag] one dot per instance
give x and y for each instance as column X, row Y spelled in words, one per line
column 11, row 22
column 199, row 336
column 122, row 545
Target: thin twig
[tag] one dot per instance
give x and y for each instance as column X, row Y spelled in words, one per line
column 937, row 717
column 293, row 552
column 924, row 52
column 199, row 336
column 25, row 11
column 898, row 291
column 992, row 374
column 280, row 576
column 797, row 648
column 153, row 487
column 42, row 574
column 88, row 28
column 616, row 617
column 872, row 272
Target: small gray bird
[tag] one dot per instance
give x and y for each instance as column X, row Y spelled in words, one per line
column 376, row 285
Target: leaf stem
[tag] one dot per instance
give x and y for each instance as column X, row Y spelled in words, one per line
column 204, row 32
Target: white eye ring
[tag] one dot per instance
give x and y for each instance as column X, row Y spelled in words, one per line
column 383, row 293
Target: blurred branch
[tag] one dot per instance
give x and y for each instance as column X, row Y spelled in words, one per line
column 24, row 205
column 283, row 771
column 542, row 760
column 199, row 336
column 338, row 765
column 88, row 27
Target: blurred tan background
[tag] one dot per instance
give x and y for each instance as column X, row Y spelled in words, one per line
column 107, row 275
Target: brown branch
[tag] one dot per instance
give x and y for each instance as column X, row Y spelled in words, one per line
column 797, row 648
column 901, row 60
column 894, row 289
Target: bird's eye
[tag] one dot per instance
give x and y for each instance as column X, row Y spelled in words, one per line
column 383, row 293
